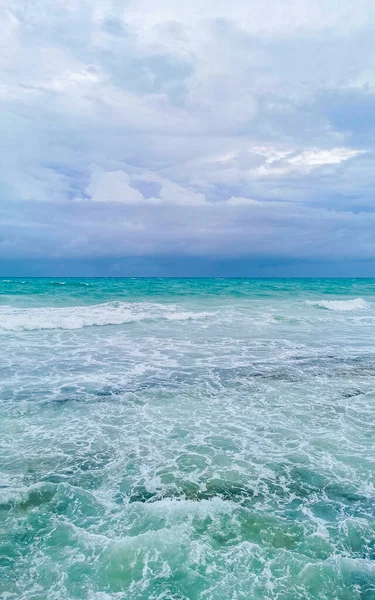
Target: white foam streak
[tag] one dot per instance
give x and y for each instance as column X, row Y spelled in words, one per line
column 77, row 317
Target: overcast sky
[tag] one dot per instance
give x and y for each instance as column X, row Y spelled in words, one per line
column 204, row 137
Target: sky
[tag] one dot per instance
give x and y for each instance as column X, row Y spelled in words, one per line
column 159, row 137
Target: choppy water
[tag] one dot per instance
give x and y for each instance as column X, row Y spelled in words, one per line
column 187, row 439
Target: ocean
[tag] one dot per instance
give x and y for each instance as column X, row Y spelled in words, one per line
column 187, row 439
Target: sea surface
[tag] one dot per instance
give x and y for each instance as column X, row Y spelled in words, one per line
column 187, row 439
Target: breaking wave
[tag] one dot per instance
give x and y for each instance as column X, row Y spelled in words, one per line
column 341, row 305
column 77, row 317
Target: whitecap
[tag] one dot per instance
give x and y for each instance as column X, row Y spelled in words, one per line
column 340, row 305
column 77, row 317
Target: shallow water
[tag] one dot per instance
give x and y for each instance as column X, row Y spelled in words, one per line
column 187, row 439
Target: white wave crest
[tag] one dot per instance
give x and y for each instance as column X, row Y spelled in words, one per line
column 341, row 305
column 77, row 317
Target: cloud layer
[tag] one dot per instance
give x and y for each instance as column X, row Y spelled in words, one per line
column 213, row 129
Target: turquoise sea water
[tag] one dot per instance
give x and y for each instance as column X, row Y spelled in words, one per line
column 181, row 439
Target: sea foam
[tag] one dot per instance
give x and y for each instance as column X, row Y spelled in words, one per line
column 340, row 305
column 77, row 317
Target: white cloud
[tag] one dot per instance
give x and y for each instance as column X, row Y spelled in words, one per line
column 317, row 158
column 112, row 186
column 238, row 201
column 172, row 193
column 116, row 186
